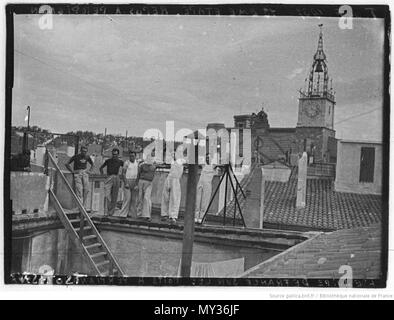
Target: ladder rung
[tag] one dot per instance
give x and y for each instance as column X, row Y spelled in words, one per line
column 102, row 263
column 84, row 228
column 94, row 245
column 99, row 254
column 106, row 273
column 75, row 220
column 92, row 236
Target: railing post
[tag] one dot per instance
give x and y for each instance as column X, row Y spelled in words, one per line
column 111, row 268
column 55, row 181
column 46, row 162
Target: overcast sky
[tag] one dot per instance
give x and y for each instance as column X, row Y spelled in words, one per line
column 135, row 72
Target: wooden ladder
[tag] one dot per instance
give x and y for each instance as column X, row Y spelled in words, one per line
column 82, row 228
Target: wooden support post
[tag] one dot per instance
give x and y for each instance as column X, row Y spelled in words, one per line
column 91, row 196
column 188, row 230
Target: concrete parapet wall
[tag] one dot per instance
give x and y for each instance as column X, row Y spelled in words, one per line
column 28, row 191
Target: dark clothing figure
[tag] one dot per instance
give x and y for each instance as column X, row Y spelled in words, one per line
column 112, row 184
column 81, row 175
column 21, row 162
column 81, row 161
column 113, row 166
column 147, row 171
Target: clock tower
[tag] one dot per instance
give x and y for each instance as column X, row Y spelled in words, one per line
column 316, row 109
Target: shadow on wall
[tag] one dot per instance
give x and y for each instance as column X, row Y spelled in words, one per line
column 52, row 248
column 139, row 255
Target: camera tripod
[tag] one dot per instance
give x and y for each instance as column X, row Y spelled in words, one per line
column 227, row 175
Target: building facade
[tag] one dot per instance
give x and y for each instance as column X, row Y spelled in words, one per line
column 359, row 167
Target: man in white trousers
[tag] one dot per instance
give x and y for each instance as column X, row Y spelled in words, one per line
column 146, row 175
column 204, row 189
column 171, row 196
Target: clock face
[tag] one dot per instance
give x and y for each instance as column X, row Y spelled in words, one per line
column 312, row 110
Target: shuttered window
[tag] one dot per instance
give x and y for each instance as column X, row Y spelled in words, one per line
column 367, row 164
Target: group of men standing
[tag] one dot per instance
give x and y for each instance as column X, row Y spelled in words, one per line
column 137, row 180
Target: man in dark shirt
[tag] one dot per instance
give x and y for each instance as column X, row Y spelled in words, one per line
column 112, row 184
column 21, row 162
column 81, row 174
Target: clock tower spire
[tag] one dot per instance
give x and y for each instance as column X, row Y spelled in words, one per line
column 317, row 100
column 318, row 76
column 315, row 126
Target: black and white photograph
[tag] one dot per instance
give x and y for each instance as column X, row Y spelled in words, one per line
column 197, row 145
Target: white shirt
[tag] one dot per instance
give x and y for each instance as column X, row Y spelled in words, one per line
column 131, row 169
column 176, row 169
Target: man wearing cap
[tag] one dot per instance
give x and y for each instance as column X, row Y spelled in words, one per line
column 114, row 170
column 81, row 174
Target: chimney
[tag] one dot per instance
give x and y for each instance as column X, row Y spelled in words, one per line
column 301, row 184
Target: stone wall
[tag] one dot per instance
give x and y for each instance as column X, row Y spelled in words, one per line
column 28, row 191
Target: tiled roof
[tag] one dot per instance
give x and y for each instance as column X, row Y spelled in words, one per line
column 325, row 208
column 323, row 255
column 243, row 183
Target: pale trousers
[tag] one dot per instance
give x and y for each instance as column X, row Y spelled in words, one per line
column 144, row 203
column 82, row 191
column 203, row 196
column 111, row 187
column 171, row 198
column 130, row 199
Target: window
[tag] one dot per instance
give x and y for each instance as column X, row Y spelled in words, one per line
column 367, row 164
